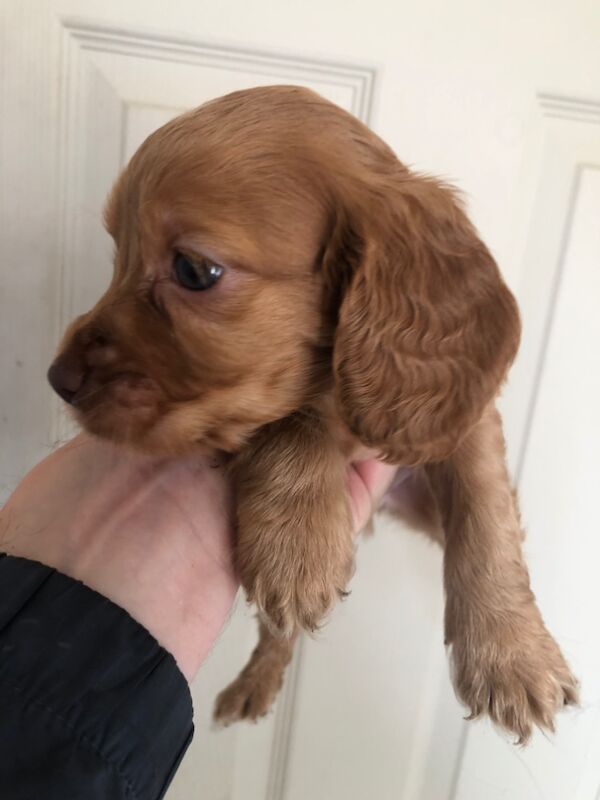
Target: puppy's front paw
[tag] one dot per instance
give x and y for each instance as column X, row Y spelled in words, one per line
column 298, row 591
column 302, row 600
column 519, row 681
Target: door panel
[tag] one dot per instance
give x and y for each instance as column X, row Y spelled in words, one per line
column 559, row 487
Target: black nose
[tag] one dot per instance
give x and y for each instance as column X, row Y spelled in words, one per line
column 65, row 377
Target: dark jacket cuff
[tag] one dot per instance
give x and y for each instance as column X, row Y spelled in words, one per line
column 77, row 673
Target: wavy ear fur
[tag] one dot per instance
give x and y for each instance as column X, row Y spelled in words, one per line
column 427, row 328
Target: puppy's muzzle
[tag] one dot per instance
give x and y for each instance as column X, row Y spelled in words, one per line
column 66, row 376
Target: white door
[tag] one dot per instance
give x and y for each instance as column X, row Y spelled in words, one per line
column 502, row 99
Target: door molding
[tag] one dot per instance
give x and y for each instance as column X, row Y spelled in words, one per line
column 138, row 42
column 564, row 144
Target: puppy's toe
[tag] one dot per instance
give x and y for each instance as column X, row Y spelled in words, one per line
column 299, row 605
column 247, row 698
column 277, row 612
column 520, row 689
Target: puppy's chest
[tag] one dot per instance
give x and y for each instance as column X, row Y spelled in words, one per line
column 349, row 445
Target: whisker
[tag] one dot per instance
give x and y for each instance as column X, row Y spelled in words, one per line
column 98, row 389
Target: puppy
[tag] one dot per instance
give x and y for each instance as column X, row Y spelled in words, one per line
column 287, row 292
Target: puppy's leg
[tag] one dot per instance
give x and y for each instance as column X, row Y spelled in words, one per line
column 252, row 693
column 506, row 663
column 295, row 546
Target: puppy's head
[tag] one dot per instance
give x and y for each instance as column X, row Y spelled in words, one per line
column 269, row 248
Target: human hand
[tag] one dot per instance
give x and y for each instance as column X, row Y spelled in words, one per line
column 153, row 535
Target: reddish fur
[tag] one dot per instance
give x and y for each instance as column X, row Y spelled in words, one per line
column 358, row 309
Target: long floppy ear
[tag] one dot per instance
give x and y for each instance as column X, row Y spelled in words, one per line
column 426, row 329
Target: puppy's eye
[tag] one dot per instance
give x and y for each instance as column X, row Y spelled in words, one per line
column 196, row 275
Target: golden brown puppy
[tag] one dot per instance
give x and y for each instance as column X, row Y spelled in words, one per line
column 287, row 292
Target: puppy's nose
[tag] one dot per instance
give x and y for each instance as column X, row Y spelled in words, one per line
column 66, row 377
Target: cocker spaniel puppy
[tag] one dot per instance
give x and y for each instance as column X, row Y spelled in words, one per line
column 287, row 292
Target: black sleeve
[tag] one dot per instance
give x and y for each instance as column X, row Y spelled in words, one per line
column 91, row 707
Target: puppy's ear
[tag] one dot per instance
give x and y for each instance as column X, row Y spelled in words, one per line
column 426, row 328
column 112, row 215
